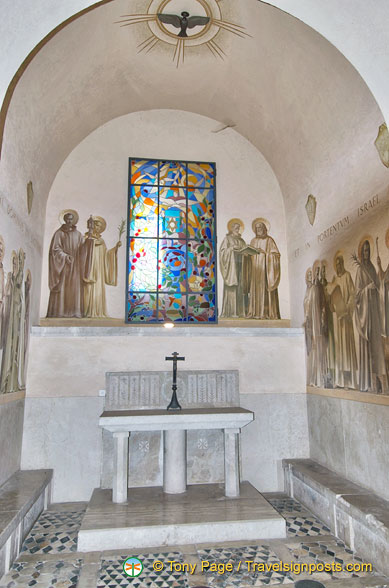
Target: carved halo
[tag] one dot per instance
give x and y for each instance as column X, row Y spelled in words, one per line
column 261, row 220
column 371, row 243
column 315, row 266
column 232, row 222
column 67, row 211
column 339, row 253
column 102, row 220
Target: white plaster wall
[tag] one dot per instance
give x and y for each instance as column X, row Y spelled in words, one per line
column 351, row 438
column 354, row 27
column 67, row 370
column 11, row 431
column 372, row 221
column 94, row 180
column 64, row 366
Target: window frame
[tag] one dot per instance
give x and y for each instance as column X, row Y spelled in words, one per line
column 161, row 321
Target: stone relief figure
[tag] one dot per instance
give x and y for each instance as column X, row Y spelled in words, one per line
column 25, row 328
column 10, row 333
column 265, row 273
column 384, row 279
column 231, row 258
column 308, row 322
column 372, row 370
column 330, row 336
column 319, row 372
column 13, row 332
column 101, row 269
column 66, row 266
column 342, row 292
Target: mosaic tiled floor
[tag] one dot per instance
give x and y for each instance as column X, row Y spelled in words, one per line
column 299, row 521
column 287, row 505
column 49, row 558
column 112, row 575
column 326, row 552
column 305, row 525
column 47, row 574
column 58, row 520
column 243, row 572
column 56, row 542
column 54, row 532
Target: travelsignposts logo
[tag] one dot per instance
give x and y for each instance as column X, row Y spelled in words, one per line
column 132, row 567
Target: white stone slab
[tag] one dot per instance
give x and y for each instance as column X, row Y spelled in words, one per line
column 200, row 515
column 163, row 420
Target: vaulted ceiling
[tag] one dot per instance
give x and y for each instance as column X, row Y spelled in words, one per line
column 286, row 88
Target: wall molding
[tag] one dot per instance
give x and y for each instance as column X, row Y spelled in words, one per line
column 354, row 395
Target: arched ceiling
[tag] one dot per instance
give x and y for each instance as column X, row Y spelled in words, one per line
column 290, row 92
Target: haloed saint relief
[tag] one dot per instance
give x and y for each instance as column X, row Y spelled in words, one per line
column 251, row 273
column 14, row 321
column 346, row 314
column 80, row 266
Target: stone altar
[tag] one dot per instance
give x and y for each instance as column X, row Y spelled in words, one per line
column 175, row 426
column 196, row 389
column 193, row 513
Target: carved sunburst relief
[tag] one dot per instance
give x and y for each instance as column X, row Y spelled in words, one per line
column 183, row 24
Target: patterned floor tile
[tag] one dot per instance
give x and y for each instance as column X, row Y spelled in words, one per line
column 305, row 525
column 58, row 520
column 112, row 575
column 329, row 552
column 255, row 573
column 287, row 505
column 55, row 542
column 58, row 574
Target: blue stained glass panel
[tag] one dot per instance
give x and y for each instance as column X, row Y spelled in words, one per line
column 201, row 214
column 201, row 175
column 172, row 173
column 201, row 308
column 142, row 307
column 142, row 262
column 172, row 265
column 172, row 206
column 144, row 171
column 144, row 211
column 201, row 266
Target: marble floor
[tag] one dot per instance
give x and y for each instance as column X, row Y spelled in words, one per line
column 49, row 558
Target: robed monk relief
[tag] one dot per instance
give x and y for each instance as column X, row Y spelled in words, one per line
column 80, row 266
column 14, row 321
column 251, row 272
column 346, row 321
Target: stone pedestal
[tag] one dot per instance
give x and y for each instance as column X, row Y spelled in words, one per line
column 231, row 462
column 120, row 480
column 174, row 461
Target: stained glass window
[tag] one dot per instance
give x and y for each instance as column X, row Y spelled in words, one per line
column 171, row 242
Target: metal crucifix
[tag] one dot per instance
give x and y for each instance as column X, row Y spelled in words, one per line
column 174, row 404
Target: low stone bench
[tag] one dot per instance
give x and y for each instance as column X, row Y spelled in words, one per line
column 22, row 498
column 353, row 513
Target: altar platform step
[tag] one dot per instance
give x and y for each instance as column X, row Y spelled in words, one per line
column 202, row 514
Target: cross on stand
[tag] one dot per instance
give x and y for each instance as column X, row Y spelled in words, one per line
column 174, row 404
